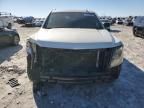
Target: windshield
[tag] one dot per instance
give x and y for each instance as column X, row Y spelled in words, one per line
column 140, row 20
column 73, row 20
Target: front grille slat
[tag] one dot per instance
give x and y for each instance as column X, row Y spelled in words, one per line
column 73, row 62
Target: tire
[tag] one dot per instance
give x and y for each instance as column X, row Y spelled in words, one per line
column 16, row 40
column 29, row 66
column 9, row 26
column 115, row 73
column 134, row 32
column 37, row 86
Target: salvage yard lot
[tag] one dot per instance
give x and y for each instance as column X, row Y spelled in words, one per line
column 126, row 92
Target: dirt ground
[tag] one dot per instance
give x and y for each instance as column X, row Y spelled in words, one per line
column 126, row 92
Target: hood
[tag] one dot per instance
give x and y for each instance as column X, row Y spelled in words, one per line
column 74, row 38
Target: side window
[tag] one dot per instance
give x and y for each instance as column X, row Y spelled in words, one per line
column 142, row 20
column 139, row 20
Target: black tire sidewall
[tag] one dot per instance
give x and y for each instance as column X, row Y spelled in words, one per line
column 15, row 44
column 9, row 26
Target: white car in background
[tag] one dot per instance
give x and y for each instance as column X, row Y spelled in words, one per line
column 119, row 21
column 7, row 19
column 38, row 23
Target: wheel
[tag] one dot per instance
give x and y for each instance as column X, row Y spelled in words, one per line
column 9, row 26
column 37, row 86
column 134, row 32
column 29, row 66
column 115, row 73
column 16, row 40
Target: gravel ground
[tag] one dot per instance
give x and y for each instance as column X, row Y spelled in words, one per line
column 126, row 92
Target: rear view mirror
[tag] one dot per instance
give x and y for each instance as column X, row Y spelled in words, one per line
column 107, row 26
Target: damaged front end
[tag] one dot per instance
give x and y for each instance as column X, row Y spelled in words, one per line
column 53, row 64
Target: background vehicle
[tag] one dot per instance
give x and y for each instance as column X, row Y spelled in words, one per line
column 38, row 23
column 20, row 20
column 138, row 27
column 7, row 19
column 119, row 21
column 106, row 23
column 8, row 36
column 113, row 21
column 128, row 21
column 28, row 21
column 73, row 46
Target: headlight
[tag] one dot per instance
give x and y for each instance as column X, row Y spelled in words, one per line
column 117, row 57
column 31, row 50
column 30, row 47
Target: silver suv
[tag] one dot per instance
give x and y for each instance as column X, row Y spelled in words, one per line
column 73, row 46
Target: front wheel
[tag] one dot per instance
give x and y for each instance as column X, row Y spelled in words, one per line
column 37, row 86
column 115, row 73
column 9, row 26
column 16, row 40
column 134, row 32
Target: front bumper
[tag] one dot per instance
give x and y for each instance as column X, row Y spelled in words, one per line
column 113, row 73
column 63, row 65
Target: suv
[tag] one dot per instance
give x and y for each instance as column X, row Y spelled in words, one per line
column 138, row 28
column 128, row 21
column 106, row 23
column 73, row 46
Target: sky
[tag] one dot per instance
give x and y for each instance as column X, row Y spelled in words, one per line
column 41, row 8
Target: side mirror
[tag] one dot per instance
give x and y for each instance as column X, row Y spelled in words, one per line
column 107, row 26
